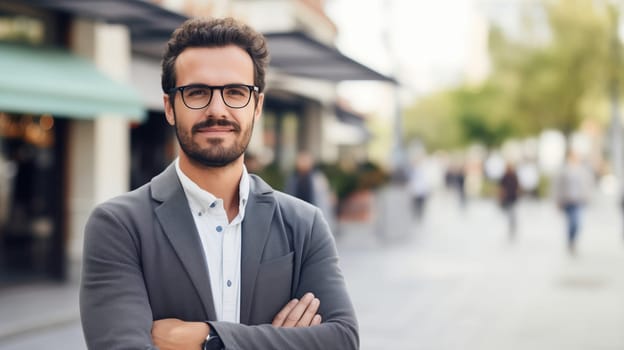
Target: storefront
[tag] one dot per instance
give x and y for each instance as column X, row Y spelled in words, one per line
column 301, row 104
column 47, row 97
column 32, row 160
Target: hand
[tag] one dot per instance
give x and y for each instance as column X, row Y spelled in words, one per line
column 174, row 334
column 299, row 313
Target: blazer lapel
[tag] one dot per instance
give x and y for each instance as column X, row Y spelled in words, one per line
column 178, row 225
column 255, row 231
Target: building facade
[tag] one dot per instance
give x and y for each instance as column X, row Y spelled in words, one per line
column 82, row 120
column 65, row 107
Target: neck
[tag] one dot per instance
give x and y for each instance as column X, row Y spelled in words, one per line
column 222, row 182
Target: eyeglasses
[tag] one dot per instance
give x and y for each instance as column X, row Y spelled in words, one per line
column 198, row 96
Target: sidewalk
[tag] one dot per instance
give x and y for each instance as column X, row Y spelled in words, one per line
column 34, row 307
column 458, row 282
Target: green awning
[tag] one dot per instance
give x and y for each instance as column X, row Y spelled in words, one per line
column 44, row 80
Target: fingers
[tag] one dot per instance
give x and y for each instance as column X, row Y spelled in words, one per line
column 316, row 320
column 309, row 313
column 299, row 313
column 279, row 319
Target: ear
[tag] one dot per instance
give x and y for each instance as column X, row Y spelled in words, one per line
column 169, row 114
column 259, row 104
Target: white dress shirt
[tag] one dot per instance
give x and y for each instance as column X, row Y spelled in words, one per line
column 221, row 241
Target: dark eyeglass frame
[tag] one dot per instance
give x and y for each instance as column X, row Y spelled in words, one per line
column 252, row 89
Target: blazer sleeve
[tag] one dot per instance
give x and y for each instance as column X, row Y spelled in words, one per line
column 321, row 275
column 114, row 307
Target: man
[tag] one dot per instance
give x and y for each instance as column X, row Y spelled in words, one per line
column 418, row 187
column 573, row 189
column 309, row 184
column 206, row 255
column 508, row 192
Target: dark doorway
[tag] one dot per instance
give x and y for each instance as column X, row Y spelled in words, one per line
column 32, row 192
column 152, row 148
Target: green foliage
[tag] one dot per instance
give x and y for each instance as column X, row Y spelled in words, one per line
column 341, row 181
column 480, row 115
column 370, row 176
column 543, row 187
column 431, row 120
column 381, row 138
column 554, row 74
column 554, row 80
column 476, row 128
column 273, row 176
column 458, row 117
column 344, row 182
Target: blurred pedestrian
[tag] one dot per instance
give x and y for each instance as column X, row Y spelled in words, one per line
column 206, row 255
column 508, row 192
column 419, row 188
column 573, row 186
column 458, row 182
column 309, row 184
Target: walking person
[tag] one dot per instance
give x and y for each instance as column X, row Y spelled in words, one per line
column 419, row 188
column 309, row 184
column 205, row 255
column 573, row 188
column 459, row 178
column 509, row 190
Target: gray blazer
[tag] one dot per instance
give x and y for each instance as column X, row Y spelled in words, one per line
column 143, row 261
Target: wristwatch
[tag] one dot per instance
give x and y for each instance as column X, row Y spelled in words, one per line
column 213, row 342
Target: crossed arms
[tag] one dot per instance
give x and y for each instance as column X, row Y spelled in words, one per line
column 175, row 334
column 121, row 292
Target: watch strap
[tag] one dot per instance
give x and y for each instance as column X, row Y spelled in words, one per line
column 212, row 342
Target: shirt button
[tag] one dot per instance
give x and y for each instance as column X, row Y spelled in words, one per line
column 229, row 283
column 219, row 228
column 199, row 213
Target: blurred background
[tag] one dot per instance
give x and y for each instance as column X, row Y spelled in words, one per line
column 436, row 133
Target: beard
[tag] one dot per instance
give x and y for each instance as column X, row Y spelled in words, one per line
column 216, row 155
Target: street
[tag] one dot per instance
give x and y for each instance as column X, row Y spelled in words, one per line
column 454, row 281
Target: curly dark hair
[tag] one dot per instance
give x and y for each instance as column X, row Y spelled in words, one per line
column 215, row 32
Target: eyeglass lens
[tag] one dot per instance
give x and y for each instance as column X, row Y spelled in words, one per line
column 235, row 96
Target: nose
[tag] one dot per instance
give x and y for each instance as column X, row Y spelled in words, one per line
column 216, row 107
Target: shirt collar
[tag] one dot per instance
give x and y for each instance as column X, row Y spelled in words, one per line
column 203, row 200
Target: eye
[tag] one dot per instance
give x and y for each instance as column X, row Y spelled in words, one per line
column 197, row 92
column 236, row 91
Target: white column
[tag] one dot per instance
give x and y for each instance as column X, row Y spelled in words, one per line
column 99, row 148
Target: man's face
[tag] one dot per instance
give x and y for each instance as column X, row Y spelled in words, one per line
column 215, row 135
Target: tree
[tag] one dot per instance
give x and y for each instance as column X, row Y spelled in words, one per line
column 553, row 74
column 431, row 120
column 557, row 82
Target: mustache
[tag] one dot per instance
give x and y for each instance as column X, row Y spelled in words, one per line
column 215, row 122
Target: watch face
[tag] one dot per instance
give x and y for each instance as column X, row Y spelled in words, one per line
column 213, row 343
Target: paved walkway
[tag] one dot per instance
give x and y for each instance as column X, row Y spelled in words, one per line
column 40, row 312
column 457, row 282
column 452, row 282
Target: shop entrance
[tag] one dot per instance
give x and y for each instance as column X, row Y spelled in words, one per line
column 32, row 189
column 152, row 148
